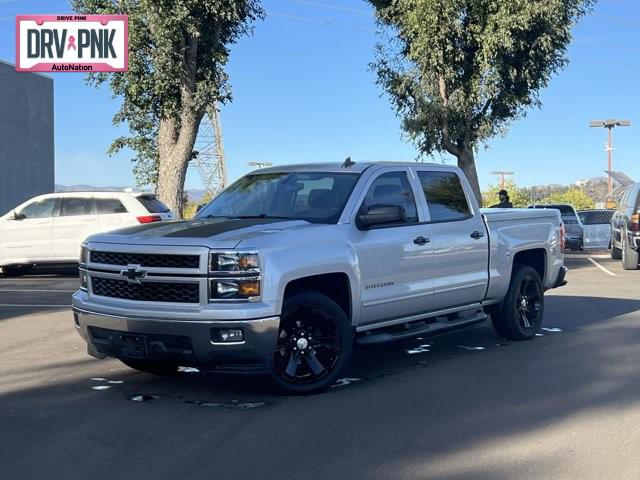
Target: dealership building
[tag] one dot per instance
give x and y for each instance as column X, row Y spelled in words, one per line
column 26, row 136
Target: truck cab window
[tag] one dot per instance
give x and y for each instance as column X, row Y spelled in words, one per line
column 392, row 188
column 445, row 196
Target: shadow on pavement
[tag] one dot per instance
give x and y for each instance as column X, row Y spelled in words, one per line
column 419, row 415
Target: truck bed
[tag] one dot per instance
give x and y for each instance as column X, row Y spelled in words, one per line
column 515, row 229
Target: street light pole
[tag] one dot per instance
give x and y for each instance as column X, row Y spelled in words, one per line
column 260, row 164
column 610, row 124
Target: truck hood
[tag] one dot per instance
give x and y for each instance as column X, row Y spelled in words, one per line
column 212, row 233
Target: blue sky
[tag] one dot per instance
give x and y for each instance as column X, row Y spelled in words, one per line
column 303, row 93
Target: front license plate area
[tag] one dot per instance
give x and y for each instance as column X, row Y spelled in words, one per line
column 132, row 346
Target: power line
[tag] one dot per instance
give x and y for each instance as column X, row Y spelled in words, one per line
column 332, row 7
column 320, row 21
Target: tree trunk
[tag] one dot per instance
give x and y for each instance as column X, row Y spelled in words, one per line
column 175, row 148
column 466, row 162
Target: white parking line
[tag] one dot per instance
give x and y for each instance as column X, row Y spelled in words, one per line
column 33, row 305
column 34, row 290
column 608, row 272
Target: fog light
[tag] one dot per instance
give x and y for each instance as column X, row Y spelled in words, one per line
column 227, row 335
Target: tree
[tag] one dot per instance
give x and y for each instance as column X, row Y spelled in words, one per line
column 191, row 207
column 178, row 50
column 459, row 71
column 518, row 196
column 574, row 196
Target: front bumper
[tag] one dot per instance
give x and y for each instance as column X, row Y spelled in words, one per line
column 180, row 342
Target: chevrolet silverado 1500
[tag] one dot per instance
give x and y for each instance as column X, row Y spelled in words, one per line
column 290, row 266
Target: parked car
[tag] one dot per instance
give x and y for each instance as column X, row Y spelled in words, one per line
column 283, row 270
column 596, row 228
column 625, row 229
column 574, row 230
column 50, row 228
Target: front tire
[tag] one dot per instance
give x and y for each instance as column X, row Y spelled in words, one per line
column 616, row 253
column 629, row 255
column 520, row 314
column 315, row 343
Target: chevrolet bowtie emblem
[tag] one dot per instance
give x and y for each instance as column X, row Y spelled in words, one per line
column 134, row 274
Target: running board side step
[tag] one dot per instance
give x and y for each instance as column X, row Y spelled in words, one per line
column 442, row 324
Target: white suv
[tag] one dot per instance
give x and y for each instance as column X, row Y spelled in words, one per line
column 50, row 228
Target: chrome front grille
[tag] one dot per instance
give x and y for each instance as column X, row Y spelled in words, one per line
column 153, row 260
column 147, row 291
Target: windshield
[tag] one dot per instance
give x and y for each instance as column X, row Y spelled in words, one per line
column 310, row 196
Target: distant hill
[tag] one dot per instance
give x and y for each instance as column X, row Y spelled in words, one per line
column 88, row 188
column 195, row 195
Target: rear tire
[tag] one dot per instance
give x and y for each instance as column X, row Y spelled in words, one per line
column 16, row 270
column 520, row 314
column 629, row 255
column 616, row 253
column 315, row 343
column 155, row 368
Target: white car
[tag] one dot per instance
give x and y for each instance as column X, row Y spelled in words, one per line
column 50, row 228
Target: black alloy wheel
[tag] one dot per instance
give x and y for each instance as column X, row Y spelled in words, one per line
column 529, row 304
column 314, row 344
column 519, row 315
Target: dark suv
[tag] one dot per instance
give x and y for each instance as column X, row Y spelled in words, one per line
column 625, row 228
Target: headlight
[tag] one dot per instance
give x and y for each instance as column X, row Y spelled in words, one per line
column 84, row 255
column 234, row 262
column 234, row 276
column 234, row 288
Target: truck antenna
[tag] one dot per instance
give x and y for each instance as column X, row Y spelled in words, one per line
column 348, row 162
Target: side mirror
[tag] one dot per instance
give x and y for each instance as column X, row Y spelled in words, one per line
column 200, row 207
column 381, row 214
column 18, row 216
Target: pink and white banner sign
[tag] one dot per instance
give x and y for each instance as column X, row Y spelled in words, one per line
column 72, row 43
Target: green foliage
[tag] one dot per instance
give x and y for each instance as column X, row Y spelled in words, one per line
column 518, row 196
column 460, row 71
column 574, row 196
column 191, row 207
column 178, row 50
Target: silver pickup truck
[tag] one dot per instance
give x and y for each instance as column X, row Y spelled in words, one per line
column 290, row 266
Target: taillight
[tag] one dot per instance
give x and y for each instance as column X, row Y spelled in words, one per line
column 562, row 240
column 148, row 218
column 634, row 222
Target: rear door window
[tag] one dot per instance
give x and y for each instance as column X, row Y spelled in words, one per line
column 106, row 206
column 76, row 206
column 445, row 196
column 152, row 204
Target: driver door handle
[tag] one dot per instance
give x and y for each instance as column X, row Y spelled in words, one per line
column 476, row 235
column 421, row 240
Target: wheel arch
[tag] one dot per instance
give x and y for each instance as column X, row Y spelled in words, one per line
column 335, row 285
column 535, row 258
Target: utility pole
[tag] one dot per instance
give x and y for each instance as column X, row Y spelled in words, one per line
column 502, row 174
column 609, row 124
column 210, row 160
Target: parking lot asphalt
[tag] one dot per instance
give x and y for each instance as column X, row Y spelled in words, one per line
column 464, row 405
